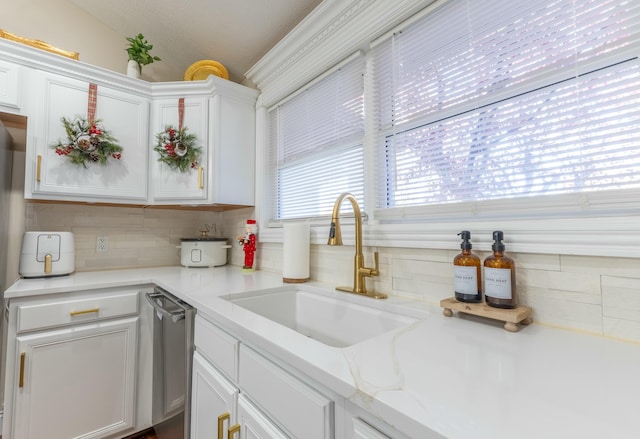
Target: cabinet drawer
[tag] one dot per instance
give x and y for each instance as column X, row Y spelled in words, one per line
column 298, row 408
column 51, row 313
column 362, row 430
column 220, row 348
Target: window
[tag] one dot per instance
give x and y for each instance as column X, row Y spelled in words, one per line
column 486, row 100
column 317, row 143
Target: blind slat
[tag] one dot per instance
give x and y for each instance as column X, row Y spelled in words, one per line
column 317, row 144
column 518, row 99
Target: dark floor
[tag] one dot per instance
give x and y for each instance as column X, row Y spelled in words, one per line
column 147, row 434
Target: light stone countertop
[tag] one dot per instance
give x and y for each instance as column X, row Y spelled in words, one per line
column 459, row 378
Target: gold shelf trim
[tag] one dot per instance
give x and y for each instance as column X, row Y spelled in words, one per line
column 38, row 44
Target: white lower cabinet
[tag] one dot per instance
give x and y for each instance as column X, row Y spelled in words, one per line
column 212, row 398
column 218, row 409
column 254, row 424
column 266, row 398
column 299, row 408
column 360, row 424
column 76, row 382
column 263, row 400
column 362, row 430
column 72, row 363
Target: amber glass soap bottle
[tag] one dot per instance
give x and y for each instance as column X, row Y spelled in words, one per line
column 499, row 276
column 466, row 270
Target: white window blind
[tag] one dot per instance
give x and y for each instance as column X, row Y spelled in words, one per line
column 317, row 144
column 491, row 99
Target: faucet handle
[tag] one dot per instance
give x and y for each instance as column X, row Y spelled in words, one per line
column 368, row 272
column 375, row 271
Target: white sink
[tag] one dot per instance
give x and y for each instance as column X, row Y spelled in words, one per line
column 325, row 318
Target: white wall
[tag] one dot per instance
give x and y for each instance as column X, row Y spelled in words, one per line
column 6, row 165
column 15, row 220
column 65, row 26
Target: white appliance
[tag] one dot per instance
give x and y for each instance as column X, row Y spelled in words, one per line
column 47, row 254
column 203, row 251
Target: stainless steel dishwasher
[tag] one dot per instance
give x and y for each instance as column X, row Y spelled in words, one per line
column 172, row 357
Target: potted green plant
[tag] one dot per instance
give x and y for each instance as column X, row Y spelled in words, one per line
column 139, row 54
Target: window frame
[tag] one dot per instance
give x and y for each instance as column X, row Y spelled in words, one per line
column 595, row 229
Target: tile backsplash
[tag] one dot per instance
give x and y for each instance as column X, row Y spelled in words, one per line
column 597, row 295
column 137, row 237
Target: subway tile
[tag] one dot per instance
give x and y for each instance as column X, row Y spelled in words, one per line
column 622, row 329
column 628, row 267
column 621, row 298
column 532, row 278
column 421, row 267
column 566, row 313
column 137, row 237
column 585, row 283
column 426, row 290
column 538, row 262
column 418, row 254
column 527, row 294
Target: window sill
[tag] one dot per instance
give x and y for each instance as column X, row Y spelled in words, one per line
column 615, row 236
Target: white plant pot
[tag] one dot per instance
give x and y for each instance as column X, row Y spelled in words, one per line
column 132, row 69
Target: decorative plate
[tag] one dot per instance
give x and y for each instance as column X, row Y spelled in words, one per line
column 201, row 70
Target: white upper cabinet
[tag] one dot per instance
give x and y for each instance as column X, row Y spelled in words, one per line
column 51, row 176
column 220, row 113
column 222, row 116
column 168, row 183
column 9, row 85
column 233, row 136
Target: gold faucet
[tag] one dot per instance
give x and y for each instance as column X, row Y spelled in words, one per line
column 360, row 272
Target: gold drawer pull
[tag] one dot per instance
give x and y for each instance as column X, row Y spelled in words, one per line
column 21, row 380
column 233, row 430
column 201, row 177
column 223, row 417
column 38, row 168
column 84, row 311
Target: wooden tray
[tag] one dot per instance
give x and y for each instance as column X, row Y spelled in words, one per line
column 511, row 317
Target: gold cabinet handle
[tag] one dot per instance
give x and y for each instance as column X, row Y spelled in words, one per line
column 21, row 379
column 201, row 177
column 223, row 417
column 233, row 430
column 38, row 168
column 84, row 311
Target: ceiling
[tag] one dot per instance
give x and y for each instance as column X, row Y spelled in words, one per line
column 237, row 33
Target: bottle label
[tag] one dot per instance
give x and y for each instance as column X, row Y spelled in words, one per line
column 465, row 280
column 497, row 282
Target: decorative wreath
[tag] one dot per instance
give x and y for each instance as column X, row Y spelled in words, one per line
column 87, row 143
column 177, row 148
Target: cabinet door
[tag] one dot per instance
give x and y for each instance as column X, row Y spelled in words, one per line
column 362, row 430
column 75, row 382
column 254, row 424
column 300, row 409
column 123, row 114
column 171, row 186
column 211, row 396
column 9, row 85
column 232, row 165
